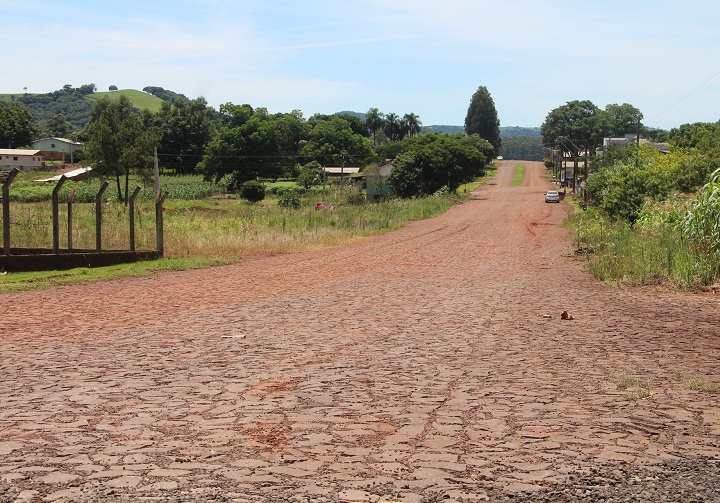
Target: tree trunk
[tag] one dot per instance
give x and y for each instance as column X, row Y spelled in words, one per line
column 119, row 187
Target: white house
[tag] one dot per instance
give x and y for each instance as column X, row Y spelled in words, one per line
column 24, row 160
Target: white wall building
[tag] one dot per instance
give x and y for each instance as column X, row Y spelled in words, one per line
column 24, row 160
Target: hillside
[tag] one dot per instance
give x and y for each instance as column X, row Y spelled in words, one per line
column 75, row 104
column 139, row 99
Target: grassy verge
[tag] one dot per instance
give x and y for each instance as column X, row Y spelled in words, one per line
column 204, row 232
column 639, row 255
column 519, row 175
column 41, row 280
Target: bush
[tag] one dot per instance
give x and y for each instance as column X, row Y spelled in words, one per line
column 252, row 191
column 290, row 199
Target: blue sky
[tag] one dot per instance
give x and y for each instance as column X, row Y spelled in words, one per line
column 422, row 56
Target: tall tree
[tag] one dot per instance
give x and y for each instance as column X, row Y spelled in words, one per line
column 374, row 122
column 16, row 126
column 253, row 144
column 482, row 118
column 120, row 142
column 623, row 119
column 574, row 127
column 411, row 124
column 58, row 126
column 185, row 130
column 333, row 141
column 393, row 127
column 432, row 161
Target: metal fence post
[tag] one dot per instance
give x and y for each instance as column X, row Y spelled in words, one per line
column 6, row 209
column 71, row 199
column 159, row 221
column 56, row 211
column 132, row 217
column 98, row 216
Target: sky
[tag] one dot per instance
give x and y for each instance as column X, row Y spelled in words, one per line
column 427, row 57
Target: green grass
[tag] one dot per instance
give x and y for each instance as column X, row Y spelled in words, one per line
column 42, row 280
column 519, row 175
column 702, row 385
column 636, row 388
column 205, row 231
column 641, row 255
column 139, row 99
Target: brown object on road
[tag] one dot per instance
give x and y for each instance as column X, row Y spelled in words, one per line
column 404, row 364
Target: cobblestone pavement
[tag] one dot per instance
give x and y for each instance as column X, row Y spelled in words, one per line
column 426, row 364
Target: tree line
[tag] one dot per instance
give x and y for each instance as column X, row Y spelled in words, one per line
column 620, row 181
column 238, row 145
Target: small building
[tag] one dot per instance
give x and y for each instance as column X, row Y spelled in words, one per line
column 340, row 170
column 57, row 148
column 24, row 160
column 376, row 181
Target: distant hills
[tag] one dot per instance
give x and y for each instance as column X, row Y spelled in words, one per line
column 76, row 103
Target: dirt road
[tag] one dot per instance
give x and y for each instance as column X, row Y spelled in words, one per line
column 418, row 363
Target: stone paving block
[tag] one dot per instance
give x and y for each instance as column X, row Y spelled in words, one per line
column 354, row 368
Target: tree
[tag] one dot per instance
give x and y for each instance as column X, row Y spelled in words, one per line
column 333, row 142
column 252, row 191
column 433, row 161
column 374, row 122
column 393, row 127
column 482, row 118
column 527, row 148
column 185, row 131
column 253, row 144
column 623, row 119
column 697, row 134
column 311, row 174
column 113, row 88
column 16, row 126
column 574, row 127
column 120, row 142
column 411, row 124
column 163, row 94
column 58, row 126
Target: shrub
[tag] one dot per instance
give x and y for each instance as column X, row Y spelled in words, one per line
column 252, row 191
column 290, row 199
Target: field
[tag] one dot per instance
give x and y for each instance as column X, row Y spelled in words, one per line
column 202, row 226
column 139, row 99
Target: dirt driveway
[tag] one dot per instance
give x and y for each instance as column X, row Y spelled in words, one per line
column 422, row 362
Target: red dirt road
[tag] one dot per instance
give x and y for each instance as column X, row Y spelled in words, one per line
column 416, row 361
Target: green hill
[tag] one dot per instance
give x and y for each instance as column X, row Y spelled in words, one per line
column 139, row 99
column 75, row 104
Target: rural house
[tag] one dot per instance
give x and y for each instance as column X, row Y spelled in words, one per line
column 24, row 160
column 57, row 148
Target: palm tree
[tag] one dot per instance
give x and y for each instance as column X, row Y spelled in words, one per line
column 412, row 124
column 374, row 121
column 392, row 127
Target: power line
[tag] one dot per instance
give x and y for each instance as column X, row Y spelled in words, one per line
column 686, row 96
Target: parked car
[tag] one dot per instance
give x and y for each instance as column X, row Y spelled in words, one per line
column 552, row 196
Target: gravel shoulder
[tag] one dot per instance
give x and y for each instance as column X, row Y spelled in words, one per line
column 428, row 364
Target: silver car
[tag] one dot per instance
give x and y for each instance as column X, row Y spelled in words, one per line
column 552, row 196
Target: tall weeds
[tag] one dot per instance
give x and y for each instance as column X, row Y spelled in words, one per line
column 218, row 228
column 675, row 242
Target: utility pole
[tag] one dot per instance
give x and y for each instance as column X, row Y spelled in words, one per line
column 637, row 144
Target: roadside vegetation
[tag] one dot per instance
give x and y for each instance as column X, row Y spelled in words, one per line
column 202, row 225
column 654, row 219
column 518, row 175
